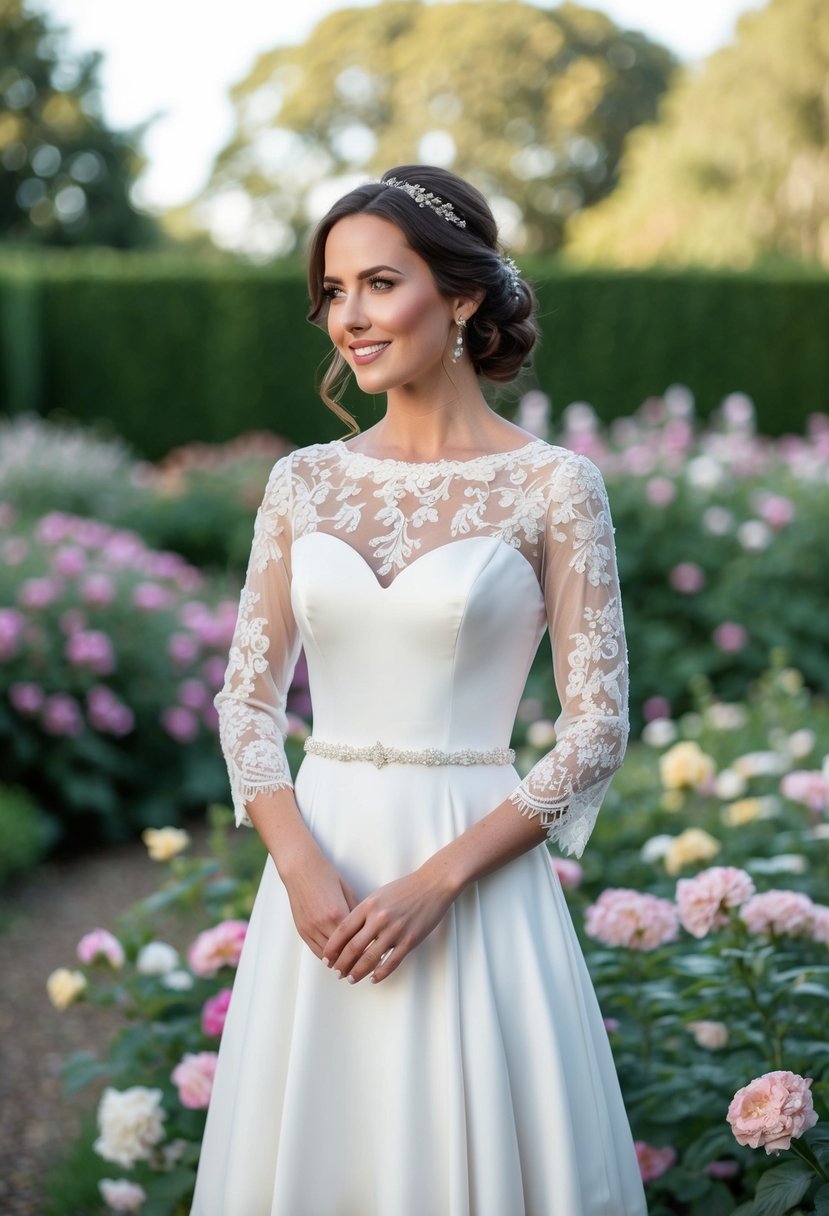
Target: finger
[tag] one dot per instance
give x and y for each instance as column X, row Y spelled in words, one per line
column 371, row 958
column 389, row 963
column 343, row 934
column 354, row 950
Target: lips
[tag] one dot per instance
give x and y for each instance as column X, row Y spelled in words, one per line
column 368, row 352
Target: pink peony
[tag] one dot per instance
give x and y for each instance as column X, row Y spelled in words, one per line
column 656, row 708
column 779, row 912
column 807, row 786
column 726, row 1168
column 61, row 715
column 97, row 590
column 621, row 917
column 192, row 693
column 776, row 510
column 107, row 713
column 180, row 724
column 660, row 491
column 39, row 592
column 703, row 901
column 820, row 929
column 11, row 630
column 148, row 597
column 101, row 943
column 121, row 1195
column 214, row 1012
column 687, row 577
column 93, row 649
column 193, row 1077
column 653, row 1161
column 69, row 560
column 26, row 698
column 772, row 1110
column 217, row 947
column 569, row 872
column 183, row 648
column 730, row 637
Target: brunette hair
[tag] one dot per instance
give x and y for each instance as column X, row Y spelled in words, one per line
column 502, row 332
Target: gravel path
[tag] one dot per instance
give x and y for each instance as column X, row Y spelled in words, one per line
column 42, row 918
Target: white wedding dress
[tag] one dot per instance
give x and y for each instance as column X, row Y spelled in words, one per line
column 477, row 1080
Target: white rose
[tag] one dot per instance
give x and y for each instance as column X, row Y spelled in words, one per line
column 711, row 1035
column 131, row 1122
column 541, row 733
column 156, row 958
column 801, row 743
column 659, row 733
column 178, row 981
column 729, row 784
column 656, row 848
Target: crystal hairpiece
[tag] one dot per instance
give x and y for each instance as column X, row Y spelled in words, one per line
column 513, row 272
column 425, row 198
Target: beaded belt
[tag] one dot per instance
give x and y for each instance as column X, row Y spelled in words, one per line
column 379, row 754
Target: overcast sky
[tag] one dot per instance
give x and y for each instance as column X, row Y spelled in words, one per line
column 178, row 58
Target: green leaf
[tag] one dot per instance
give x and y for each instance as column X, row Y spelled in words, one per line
column 781, row 1188
column 822, row 1201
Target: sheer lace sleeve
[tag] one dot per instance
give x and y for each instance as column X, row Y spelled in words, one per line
column 263, row 655
column 584, row 613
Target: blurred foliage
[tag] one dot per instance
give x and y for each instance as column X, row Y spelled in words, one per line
column 531, row 105
column 736, row 169
column 65, row 177
column 26, row 832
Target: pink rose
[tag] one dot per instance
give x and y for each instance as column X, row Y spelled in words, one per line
column 193, row 1077
column 779, row 912
column 101, row 943
column 621, row 917
column 820, row 928
column 722, row 1169
column 217, row 947
column 653, row 1161
column 214, row 1012
column 772, row 1110
column 730, row 637
column 569, row 872
column 703, row 900
column 687, row 577
column 121, row 1195
column 180, row 724
column 808, row 787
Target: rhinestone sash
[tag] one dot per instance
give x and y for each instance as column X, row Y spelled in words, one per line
column 379, row 754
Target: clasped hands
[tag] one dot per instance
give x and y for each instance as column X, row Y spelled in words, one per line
column 370, row 936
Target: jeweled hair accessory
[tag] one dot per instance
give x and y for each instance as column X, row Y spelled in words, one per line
column 513, row 272
column 425, row 198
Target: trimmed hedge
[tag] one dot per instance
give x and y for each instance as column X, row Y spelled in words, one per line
column 162, row 350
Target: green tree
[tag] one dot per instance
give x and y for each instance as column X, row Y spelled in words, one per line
column 531, row 105
column 736, row 170
column 64, row 177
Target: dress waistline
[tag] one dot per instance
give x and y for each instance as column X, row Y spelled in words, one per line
column 380, row 754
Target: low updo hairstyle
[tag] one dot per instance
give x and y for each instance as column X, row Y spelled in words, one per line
column 501, row 334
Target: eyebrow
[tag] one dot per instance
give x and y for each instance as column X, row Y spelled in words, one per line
column 364, row 274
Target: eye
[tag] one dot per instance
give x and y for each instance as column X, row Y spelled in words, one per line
column 386, row 282
column 330, row 292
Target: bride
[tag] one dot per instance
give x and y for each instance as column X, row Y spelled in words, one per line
column 413, row 1031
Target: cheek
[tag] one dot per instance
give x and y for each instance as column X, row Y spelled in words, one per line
column 417, row 318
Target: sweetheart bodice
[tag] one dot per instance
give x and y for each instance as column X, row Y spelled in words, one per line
column 420, row 593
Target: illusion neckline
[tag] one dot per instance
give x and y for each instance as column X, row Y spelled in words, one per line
column 443, row 463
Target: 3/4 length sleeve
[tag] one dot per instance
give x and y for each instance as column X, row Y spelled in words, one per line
column 565, row 788
column 263, row 655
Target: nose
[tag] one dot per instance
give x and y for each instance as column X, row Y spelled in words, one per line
column 352, row 312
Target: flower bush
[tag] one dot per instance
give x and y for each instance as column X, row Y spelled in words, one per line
column 110, row 655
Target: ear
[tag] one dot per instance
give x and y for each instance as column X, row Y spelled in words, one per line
column 466, row 306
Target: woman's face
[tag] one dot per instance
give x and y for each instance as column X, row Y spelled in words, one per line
column 385, row 314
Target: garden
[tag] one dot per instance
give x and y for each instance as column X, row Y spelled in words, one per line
column 700, row 902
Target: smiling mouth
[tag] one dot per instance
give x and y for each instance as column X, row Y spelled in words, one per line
column 367, row 354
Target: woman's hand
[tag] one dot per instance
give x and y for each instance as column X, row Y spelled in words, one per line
column 319, row 897
column 395, row 918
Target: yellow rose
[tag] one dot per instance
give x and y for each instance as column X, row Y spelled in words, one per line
column 164, row 843
column 685, row 766
column 737, row 813
column 672, row 800
column 690, row 846
column 64, row 986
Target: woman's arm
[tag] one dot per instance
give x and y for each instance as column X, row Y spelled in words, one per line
column 253, row 722
column 562, row 793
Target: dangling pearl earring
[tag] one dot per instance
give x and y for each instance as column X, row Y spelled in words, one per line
column 458, row 348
